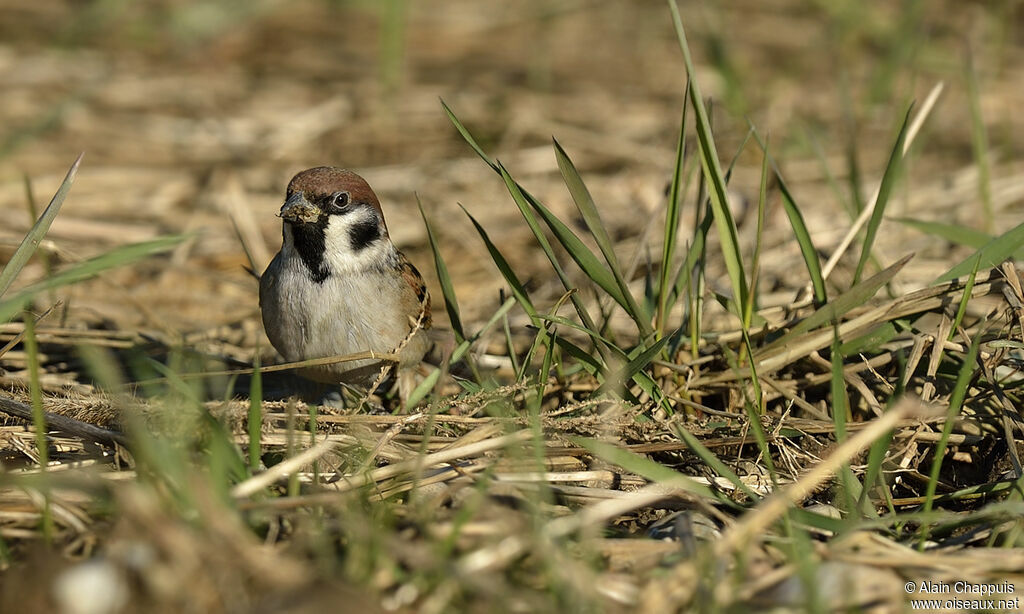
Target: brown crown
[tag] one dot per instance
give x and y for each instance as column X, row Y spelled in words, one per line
column 322, row 181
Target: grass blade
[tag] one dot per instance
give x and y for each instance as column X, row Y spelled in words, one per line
column 755, row 265
column 85, row 270
column 521, row 201
column 451, row 302
column 966, row 298
column 468, row 137
column 634, row 366
column 954, row 233
column 38, row 416
column 588, row 209
column 655, row 472
column 713, row 461
column 672, row 215
column 712, row 168
column 892, row 171
column 803, row 236
column 35, row 235
column 831, row 312
column 956, row 402
column 525, row 202
column 991, row 254
column 518, row 290
column 255, row 421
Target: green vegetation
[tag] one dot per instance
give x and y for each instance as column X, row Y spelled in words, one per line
column 789, row 450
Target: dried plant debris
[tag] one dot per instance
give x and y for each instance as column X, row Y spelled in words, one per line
column 692, row 367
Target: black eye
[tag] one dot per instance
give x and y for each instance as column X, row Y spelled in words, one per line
column 339, row 200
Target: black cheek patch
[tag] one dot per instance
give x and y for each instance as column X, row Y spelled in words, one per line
column 309, row 241
column 362, row 234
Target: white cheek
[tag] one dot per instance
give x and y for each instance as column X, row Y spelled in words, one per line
column 339, row 255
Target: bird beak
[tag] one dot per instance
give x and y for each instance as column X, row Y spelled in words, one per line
column 298, row 210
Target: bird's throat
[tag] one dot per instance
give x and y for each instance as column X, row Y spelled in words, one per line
column 309, row 242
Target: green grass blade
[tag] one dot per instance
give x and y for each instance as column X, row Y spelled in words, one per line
column 713, row 461
column 464, row 346
column 525, row 203
column 590, row 364
column 591, row 265
column 634, row 366
column 38, row 416
column 521, row 201
column 712, row 168
column 592, row 217
column 954, row 233
column 832, row 311
column 38, row 231
column 85, row 270
column 850, row 487
column 803, row 236
column 518, row 290
column 672, row 215
column 451, row 302
column 961, row 310
column 255, row 422
column 956, row 402
column 694, row 255
column 755, row 410
column 697, row 253
column 991, row 254
column 655, row 472
column 755, row 265
column 527, row 206
column 892, row 171
column 870, row 341
column 469, row 137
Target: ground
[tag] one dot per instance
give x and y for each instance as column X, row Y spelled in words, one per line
column 193, row 117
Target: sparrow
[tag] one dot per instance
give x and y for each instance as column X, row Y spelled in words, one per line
column 340, row 286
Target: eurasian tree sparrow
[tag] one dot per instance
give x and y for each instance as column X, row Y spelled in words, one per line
column 339, row 286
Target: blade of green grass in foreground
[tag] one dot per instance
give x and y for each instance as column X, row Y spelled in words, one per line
column 696, row 256
column 116, row 257
column 991, row 254
column 832, row 311
column 518, row 290
column 755, row 265
column 588, row 209
column 521, row 200
column 655, row 472
column 451, row 303
column 630, row 365
column 255, row 422
column 803, row 236
column 957, row 234
column 713, row 462
column 956, row 402
column 577, row 250
column 755, row 406
column 38, row 231
column 962, row 308
column 892, row 170
column 38, row 417
column 672, row 215
column 466, row 136
column 712, row 167
column 634, row 366
column 849, row 484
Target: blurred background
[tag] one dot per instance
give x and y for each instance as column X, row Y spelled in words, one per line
column 194, row 115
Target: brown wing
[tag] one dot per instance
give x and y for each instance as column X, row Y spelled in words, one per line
column 415, row 281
